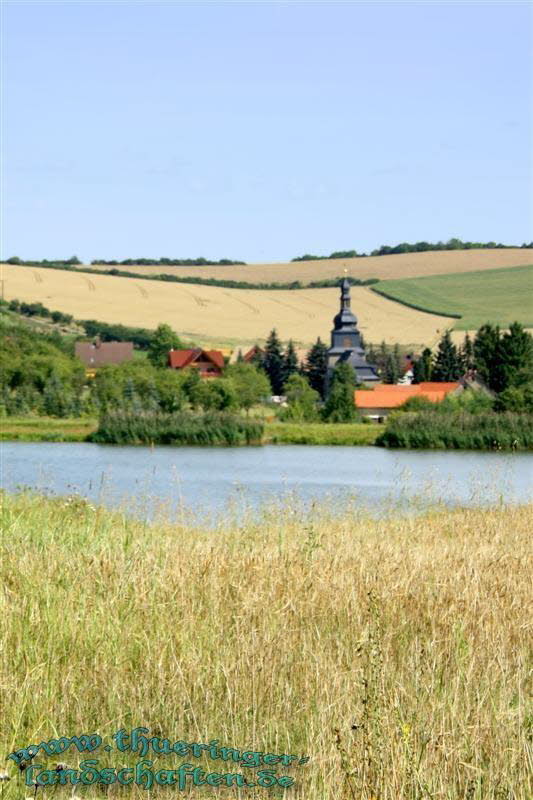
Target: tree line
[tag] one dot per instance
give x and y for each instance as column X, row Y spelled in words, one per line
column 157, row 262
column 417, row 247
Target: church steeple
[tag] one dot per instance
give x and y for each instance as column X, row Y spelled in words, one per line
column 346, row 342
column 345, row 320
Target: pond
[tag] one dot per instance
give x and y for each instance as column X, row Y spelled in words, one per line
column 205, row 482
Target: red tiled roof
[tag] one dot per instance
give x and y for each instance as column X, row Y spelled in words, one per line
column 181, row 358
column 178, row 359
column 216, row 357
column 396, row 396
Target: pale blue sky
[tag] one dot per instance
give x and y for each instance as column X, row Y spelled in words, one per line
column 260, row 131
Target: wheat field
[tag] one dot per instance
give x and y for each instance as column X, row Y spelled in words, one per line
column 406, row 265
column 394, row 653
column 214, row 315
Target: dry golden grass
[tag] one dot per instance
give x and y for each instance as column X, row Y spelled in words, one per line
column 393, row 653
column 407, row 265
column 211, row 314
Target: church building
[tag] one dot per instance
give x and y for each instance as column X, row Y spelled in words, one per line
column 346, row 342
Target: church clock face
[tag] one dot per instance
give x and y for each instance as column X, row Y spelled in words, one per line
column 347, row 342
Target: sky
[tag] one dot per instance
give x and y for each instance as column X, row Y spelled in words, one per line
column 261, row 131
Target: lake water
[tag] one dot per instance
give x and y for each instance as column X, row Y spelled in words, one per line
column 205, row 482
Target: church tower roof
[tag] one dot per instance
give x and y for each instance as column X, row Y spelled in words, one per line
column 345, row 320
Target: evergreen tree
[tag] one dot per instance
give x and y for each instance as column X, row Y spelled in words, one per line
column 273, row 362
column 447, row 362
column 391, row 373
column 381, row 359
column 514, row 362
column 290, row 362
column 240, row 357
column 340, row 403
column 398, row 359
column 486, row 352
column 316, row 367
column 466, row 354
column 422, row 367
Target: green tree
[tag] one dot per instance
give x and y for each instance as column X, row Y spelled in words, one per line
column 514, row 359
column 391, row 373
column 515, row 398
column 251, row 384
column 290, row 362
column 163, row 340
column 169, row 385
column 273, row 362
column 217, row 394
column 447, row 365
column 466, row 354
column 423, row 367
column 340, row 403
column 302, row 400
column 316, row 367
column 486, row 352
column 56, row 397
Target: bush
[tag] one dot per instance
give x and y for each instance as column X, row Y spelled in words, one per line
column 459, row 431
column 181, row 428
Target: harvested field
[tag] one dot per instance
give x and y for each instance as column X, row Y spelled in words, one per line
column 407, row 265
column 211, row 314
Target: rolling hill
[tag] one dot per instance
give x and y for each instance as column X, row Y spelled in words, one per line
column 408, row 265
column 214, row 315
column 500, row 296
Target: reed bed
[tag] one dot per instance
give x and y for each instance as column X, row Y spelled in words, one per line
column 394, row 653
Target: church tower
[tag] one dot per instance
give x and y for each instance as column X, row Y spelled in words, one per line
column 346, row 341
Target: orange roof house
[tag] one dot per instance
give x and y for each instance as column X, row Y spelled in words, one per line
column 209, row 363
column 378, row 402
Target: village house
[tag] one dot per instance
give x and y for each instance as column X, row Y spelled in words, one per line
column 377, row 403
column 209, row 363
column 100, row 354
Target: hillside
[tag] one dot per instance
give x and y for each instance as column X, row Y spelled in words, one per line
column 408, row 265
column 213, row 315
column 499, row 296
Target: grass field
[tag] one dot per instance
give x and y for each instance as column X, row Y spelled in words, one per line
column 216, row 316
column 51, row 429
column 393, row 653
column 46, row 429
column 499, row 296
column 406, row 265
column 348, row 434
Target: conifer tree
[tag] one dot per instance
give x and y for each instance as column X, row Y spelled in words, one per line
column 466, row 354
column 391, row 372
column 273, row 362
column 514, row 363
column 290, row 362
column 447, row 362
column 486, row 352
column 422, row 367
column 316, row 367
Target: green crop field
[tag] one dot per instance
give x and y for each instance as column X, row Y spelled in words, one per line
column 500, row 296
